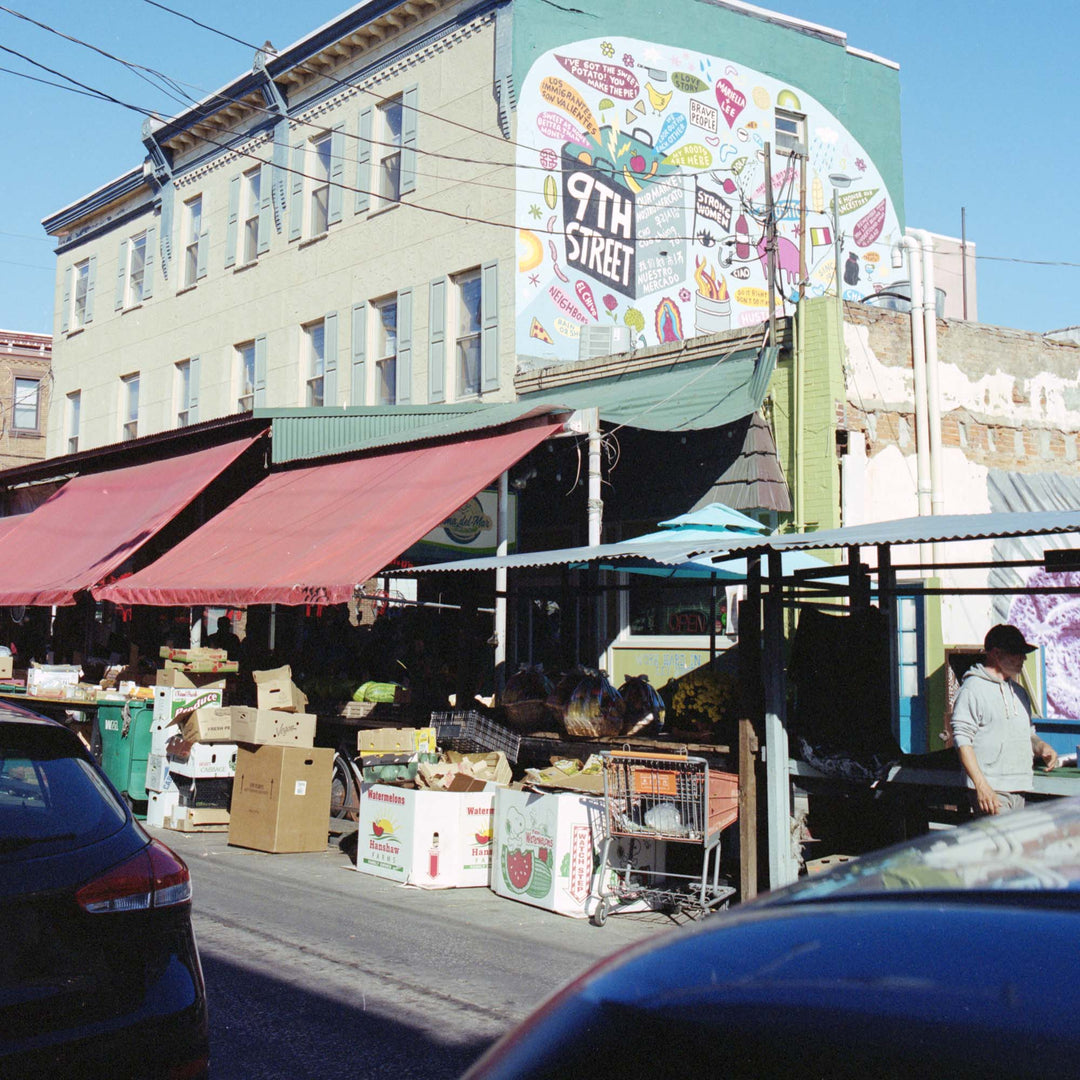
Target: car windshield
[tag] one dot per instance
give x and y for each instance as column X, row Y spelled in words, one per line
column 51, row 798
column 1032, row 850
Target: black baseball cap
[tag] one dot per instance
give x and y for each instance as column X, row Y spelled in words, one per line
column 1008, row 639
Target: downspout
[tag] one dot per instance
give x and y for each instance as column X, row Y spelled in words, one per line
column 596, row 521
column 918, row 361
column 933, row 387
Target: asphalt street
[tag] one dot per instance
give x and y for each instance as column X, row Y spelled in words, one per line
column 315, row 970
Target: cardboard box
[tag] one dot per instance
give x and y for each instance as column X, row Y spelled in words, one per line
column 7, row 667
column 546, row 846
column 194, row 819
column 203, row 667
column 198, row 761
column 158, row 777
column 160, row 805
column 166, row 652
column 276, row 690
column 281, row 798
column 261, row 726
column 171, row 700
column 432, row 839
column 404, row 741
column 51, row 680
column 178, row 678
column 204, row 725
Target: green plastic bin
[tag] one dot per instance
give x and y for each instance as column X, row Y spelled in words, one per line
column 124, row 731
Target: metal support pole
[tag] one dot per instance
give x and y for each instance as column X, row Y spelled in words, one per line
column 783, row 868
column 770, row 243
column 196, row 627
column 887, row 603
column 502, row 547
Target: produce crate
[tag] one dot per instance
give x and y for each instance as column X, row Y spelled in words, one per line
column 471, row 732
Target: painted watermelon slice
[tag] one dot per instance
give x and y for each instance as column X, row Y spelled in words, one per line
column 517, row 869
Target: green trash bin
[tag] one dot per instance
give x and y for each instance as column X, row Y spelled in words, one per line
column 123, row 732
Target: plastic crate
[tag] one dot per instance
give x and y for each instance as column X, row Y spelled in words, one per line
column 471, row 732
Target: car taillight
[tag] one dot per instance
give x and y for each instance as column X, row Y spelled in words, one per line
column 154, row 878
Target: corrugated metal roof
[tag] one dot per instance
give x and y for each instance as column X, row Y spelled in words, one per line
column 918, row 530
column 304, row 434
column 687, row 396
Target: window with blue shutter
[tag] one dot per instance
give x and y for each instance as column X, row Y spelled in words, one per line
column 489, row 333
column 91, row 283
column 121, row 274
column 149, row 254
column 193, row 390
column 410, row 102
column 404, row 347
column 337, row 174
column 65, row 309
column 363, row 162
column 232, row 225
column 296, row 193
column 260, row 372
column 266, row 196
column 279, row 186
column 330, row 362
column 357, row 372
column 437, row 341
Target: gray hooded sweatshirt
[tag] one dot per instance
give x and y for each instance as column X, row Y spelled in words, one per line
column 994, row 716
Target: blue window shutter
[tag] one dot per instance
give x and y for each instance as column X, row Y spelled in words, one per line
column 279, row 186
column 437, row 342
column 404, row 348
column 232, row 226
column 266, row 195
column 260, row 372
column 91, row 280
column 166, row 227
column 363, row 162
column 121, row 274
column 296, row 193
column 330, row 363
column 193, row 390
column 357, row 374
column 410, row 100
column 65, row 309
column 489, row 327
column 148, row 268
column 337, row 174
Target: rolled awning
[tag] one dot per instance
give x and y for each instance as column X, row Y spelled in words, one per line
column 84, row 531
column 311, row 535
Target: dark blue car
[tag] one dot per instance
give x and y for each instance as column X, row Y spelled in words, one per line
column 955, row 956
column 100, row 976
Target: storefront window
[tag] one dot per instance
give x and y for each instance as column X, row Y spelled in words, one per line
column 658, row 609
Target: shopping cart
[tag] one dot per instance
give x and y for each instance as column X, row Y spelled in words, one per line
column 662, row 797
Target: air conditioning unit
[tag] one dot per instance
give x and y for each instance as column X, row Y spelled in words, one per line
column 603, row 341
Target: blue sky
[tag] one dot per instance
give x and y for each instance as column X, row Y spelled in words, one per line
column 986, row 98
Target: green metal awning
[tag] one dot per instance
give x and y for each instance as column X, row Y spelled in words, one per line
column 686, row 396
column 303, row 434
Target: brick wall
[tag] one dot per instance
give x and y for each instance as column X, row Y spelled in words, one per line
column 23, row 356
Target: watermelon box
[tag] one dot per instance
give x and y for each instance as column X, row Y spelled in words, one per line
column 431, row 839
column 547, row 846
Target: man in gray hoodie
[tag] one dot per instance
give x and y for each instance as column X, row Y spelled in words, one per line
column 992, row 729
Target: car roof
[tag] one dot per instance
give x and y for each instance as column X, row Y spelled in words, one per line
column 11, row 712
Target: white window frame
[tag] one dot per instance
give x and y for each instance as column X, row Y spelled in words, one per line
column 314, row 363
column 183, row 392
column 245, row 397
column 193, row 217
column 129, row 407
column 135, row 275
column 74, row 417
column 251, row 193
column 466, row 337
column 790, row 132
column 318, row 216
column 388, row 151
column 79, row 294
column 21, row 396
column 384, row 368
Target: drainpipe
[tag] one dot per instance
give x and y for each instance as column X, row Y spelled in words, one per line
column 596, row 521
column 918, row 363
column 933, row 389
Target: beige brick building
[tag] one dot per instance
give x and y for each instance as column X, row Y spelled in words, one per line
column 25, row 390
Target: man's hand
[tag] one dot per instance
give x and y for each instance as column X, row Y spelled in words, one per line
column 1048, row 755
column 988, row 800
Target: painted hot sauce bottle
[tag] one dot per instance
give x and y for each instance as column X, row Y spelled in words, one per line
column 433, row 856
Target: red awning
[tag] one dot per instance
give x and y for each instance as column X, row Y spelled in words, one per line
column 310, row 536
column 84, row 531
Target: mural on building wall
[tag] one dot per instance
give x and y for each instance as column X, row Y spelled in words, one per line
column 641, row 198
